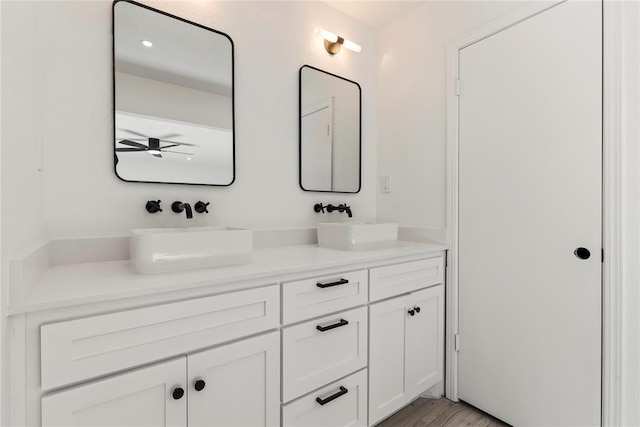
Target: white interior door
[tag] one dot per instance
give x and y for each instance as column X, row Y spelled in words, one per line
column 530, row 149
column 316, row 162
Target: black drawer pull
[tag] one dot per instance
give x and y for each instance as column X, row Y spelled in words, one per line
column 342, row 322
column 332, row 397
column 328, row 285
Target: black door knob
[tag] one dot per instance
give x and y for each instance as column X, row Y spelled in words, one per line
column 178, row 392
column 199, row 385
column 417, row 309
column 582, row 253
column 412, row 312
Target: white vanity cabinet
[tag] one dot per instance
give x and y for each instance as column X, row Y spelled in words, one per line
column 233, row 385
column 327, row 340
column 406, row 347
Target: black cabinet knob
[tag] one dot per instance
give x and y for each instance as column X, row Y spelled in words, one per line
column 178, row 392
column 412, row 312
column 582, row 253
column 199, row 385
column 417, row 309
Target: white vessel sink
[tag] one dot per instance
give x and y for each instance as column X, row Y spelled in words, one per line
column 163, row 250
column 356, row 236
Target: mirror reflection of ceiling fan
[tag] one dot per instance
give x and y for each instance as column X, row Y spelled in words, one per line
column 154, row 146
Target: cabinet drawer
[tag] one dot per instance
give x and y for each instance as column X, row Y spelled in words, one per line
column 345, row 404
column 385, row 282
column 317, row 352
column 317, row 296
column 76, row 350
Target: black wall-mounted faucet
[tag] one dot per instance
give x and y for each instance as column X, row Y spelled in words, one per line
column 340, row 208
column 153, row 206
column 178, row 207
column 319, row 207
column 201, row 207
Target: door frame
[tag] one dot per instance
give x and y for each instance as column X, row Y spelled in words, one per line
column 612, row 202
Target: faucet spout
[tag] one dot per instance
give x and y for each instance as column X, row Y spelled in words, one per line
column 178, row 207
column 340, row 208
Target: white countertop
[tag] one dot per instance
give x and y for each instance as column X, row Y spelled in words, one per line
column 70, row 285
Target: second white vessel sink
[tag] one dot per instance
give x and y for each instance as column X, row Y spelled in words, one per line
column 164, row 250
column 355, row 236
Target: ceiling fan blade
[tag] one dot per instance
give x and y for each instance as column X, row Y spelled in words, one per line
column 178, row 152
column 170, row 135
column 133, row 144
column 130, row 149
column 133, row 132
column 179, row 143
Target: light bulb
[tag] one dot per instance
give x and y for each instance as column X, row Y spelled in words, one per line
column 352, row 46
column 326, row 35
column 147, row 43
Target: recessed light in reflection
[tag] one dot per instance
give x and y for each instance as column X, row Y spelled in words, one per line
column 147, row 43
column 188, row 158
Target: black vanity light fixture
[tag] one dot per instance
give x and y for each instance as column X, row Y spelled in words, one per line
column 333, row 42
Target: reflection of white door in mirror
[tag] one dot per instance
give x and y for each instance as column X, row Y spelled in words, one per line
column 317, row 122
column 173, row 99
column 330, row 148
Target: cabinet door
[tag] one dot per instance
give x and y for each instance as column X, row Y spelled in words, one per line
column 425, row 340
column 387, row 353
column 241, row 384
column 139, row 398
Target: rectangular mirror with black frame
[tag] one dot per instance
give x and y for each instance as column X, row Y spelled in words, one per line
column 330, row 132
column 173, row 99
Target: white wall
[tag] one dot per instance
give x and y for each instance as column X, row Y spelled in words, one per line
column 156, row 98
column 412, row 106
column 62, row 94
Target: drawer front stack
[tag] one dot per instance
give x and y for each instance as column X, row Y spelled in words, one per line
column 317, row 352
column 81, row 349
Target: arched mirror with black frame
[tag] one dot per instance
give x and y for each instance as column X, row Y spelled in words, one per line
column 173, row 100
column 330, row 132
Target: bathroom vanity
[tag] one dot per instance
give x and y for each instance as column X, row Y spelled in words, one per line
column 302, row 335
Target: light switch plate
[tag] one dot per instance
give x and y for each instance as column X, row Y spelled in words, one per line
column 385, row 184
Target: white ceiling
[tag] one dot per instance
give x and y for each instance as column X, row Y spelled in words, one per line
column 182, row 54
column 375, row 13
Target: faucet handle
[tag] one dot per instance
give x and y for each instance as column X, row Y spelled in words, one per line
column 201, row 207
column 153, row 206
column 319, row 207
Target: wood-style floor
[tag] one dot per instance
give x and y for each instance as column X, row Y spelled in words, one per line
column 440, row 413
